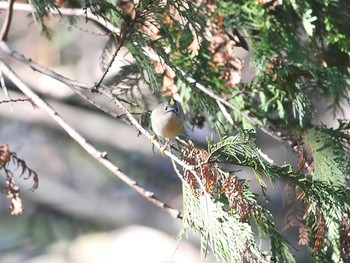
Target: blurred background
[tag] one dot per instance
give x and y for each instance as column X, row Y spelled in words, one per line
column 82, row 213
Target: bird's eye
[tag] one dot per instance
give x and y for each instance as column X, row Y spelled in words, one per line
column 166, row 108
column 177, row 109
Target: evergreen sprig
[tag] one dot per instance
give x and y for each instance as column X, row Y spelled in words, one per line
column 330, row 160
column 326, row 200
column 241, row 150
column 219, row 230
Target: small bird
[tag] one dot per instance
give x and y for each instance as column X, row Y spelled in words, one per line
column 167, row 121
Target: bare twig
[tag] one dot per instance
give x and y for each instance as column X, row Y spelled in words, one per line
column 98, row 155
column 73, row 84
column 7, row 23
column 227, row 115
column 36, row 67
column 265, row 157
column 100, row 107
column 102, row 23
column 17, row 100
column 3, row 85
column 120, row 44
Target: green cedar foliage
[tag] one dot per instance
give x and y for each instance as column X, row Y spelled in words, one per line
column 301, row 53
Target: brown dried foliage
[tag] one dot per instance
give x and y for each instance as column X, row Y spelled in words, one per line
column 169, row 87
column 14, row 194
column 304, row 235
column 4, row 155
column 272, row 4
column 305, row 164
column 295, row 215
column 301, row 148
column 345, row 237
column 233, row 190
column 222, row 46
column 302, row 158
column 206, row 172
column 60, row 3
column 13, row 191
column 275, row 65
column 320, row 225
column 215, row 183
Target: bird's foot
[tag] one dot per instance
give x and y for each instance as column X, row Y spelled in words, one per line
column 162, row 150
column 154, row 138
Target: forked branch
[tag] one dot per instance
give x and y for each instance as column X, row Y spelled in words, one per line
column 98, row 155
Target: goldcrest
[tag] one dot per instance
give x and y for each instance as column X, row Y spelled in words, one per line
column 167, row 119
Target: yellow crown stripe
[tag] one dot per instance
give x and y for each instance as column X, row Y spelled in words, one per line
column 171, row 102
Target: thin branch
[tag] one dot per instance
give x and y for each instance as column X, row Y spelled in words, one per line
column 265, row 157
column 7, row 23
column 73, row 84
column 36, row 67
column 3, row 85
column 17, row 100
column 89, row 148
column 120, row 44
column 100, row 107
column 227, row 115
column 100, row 21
